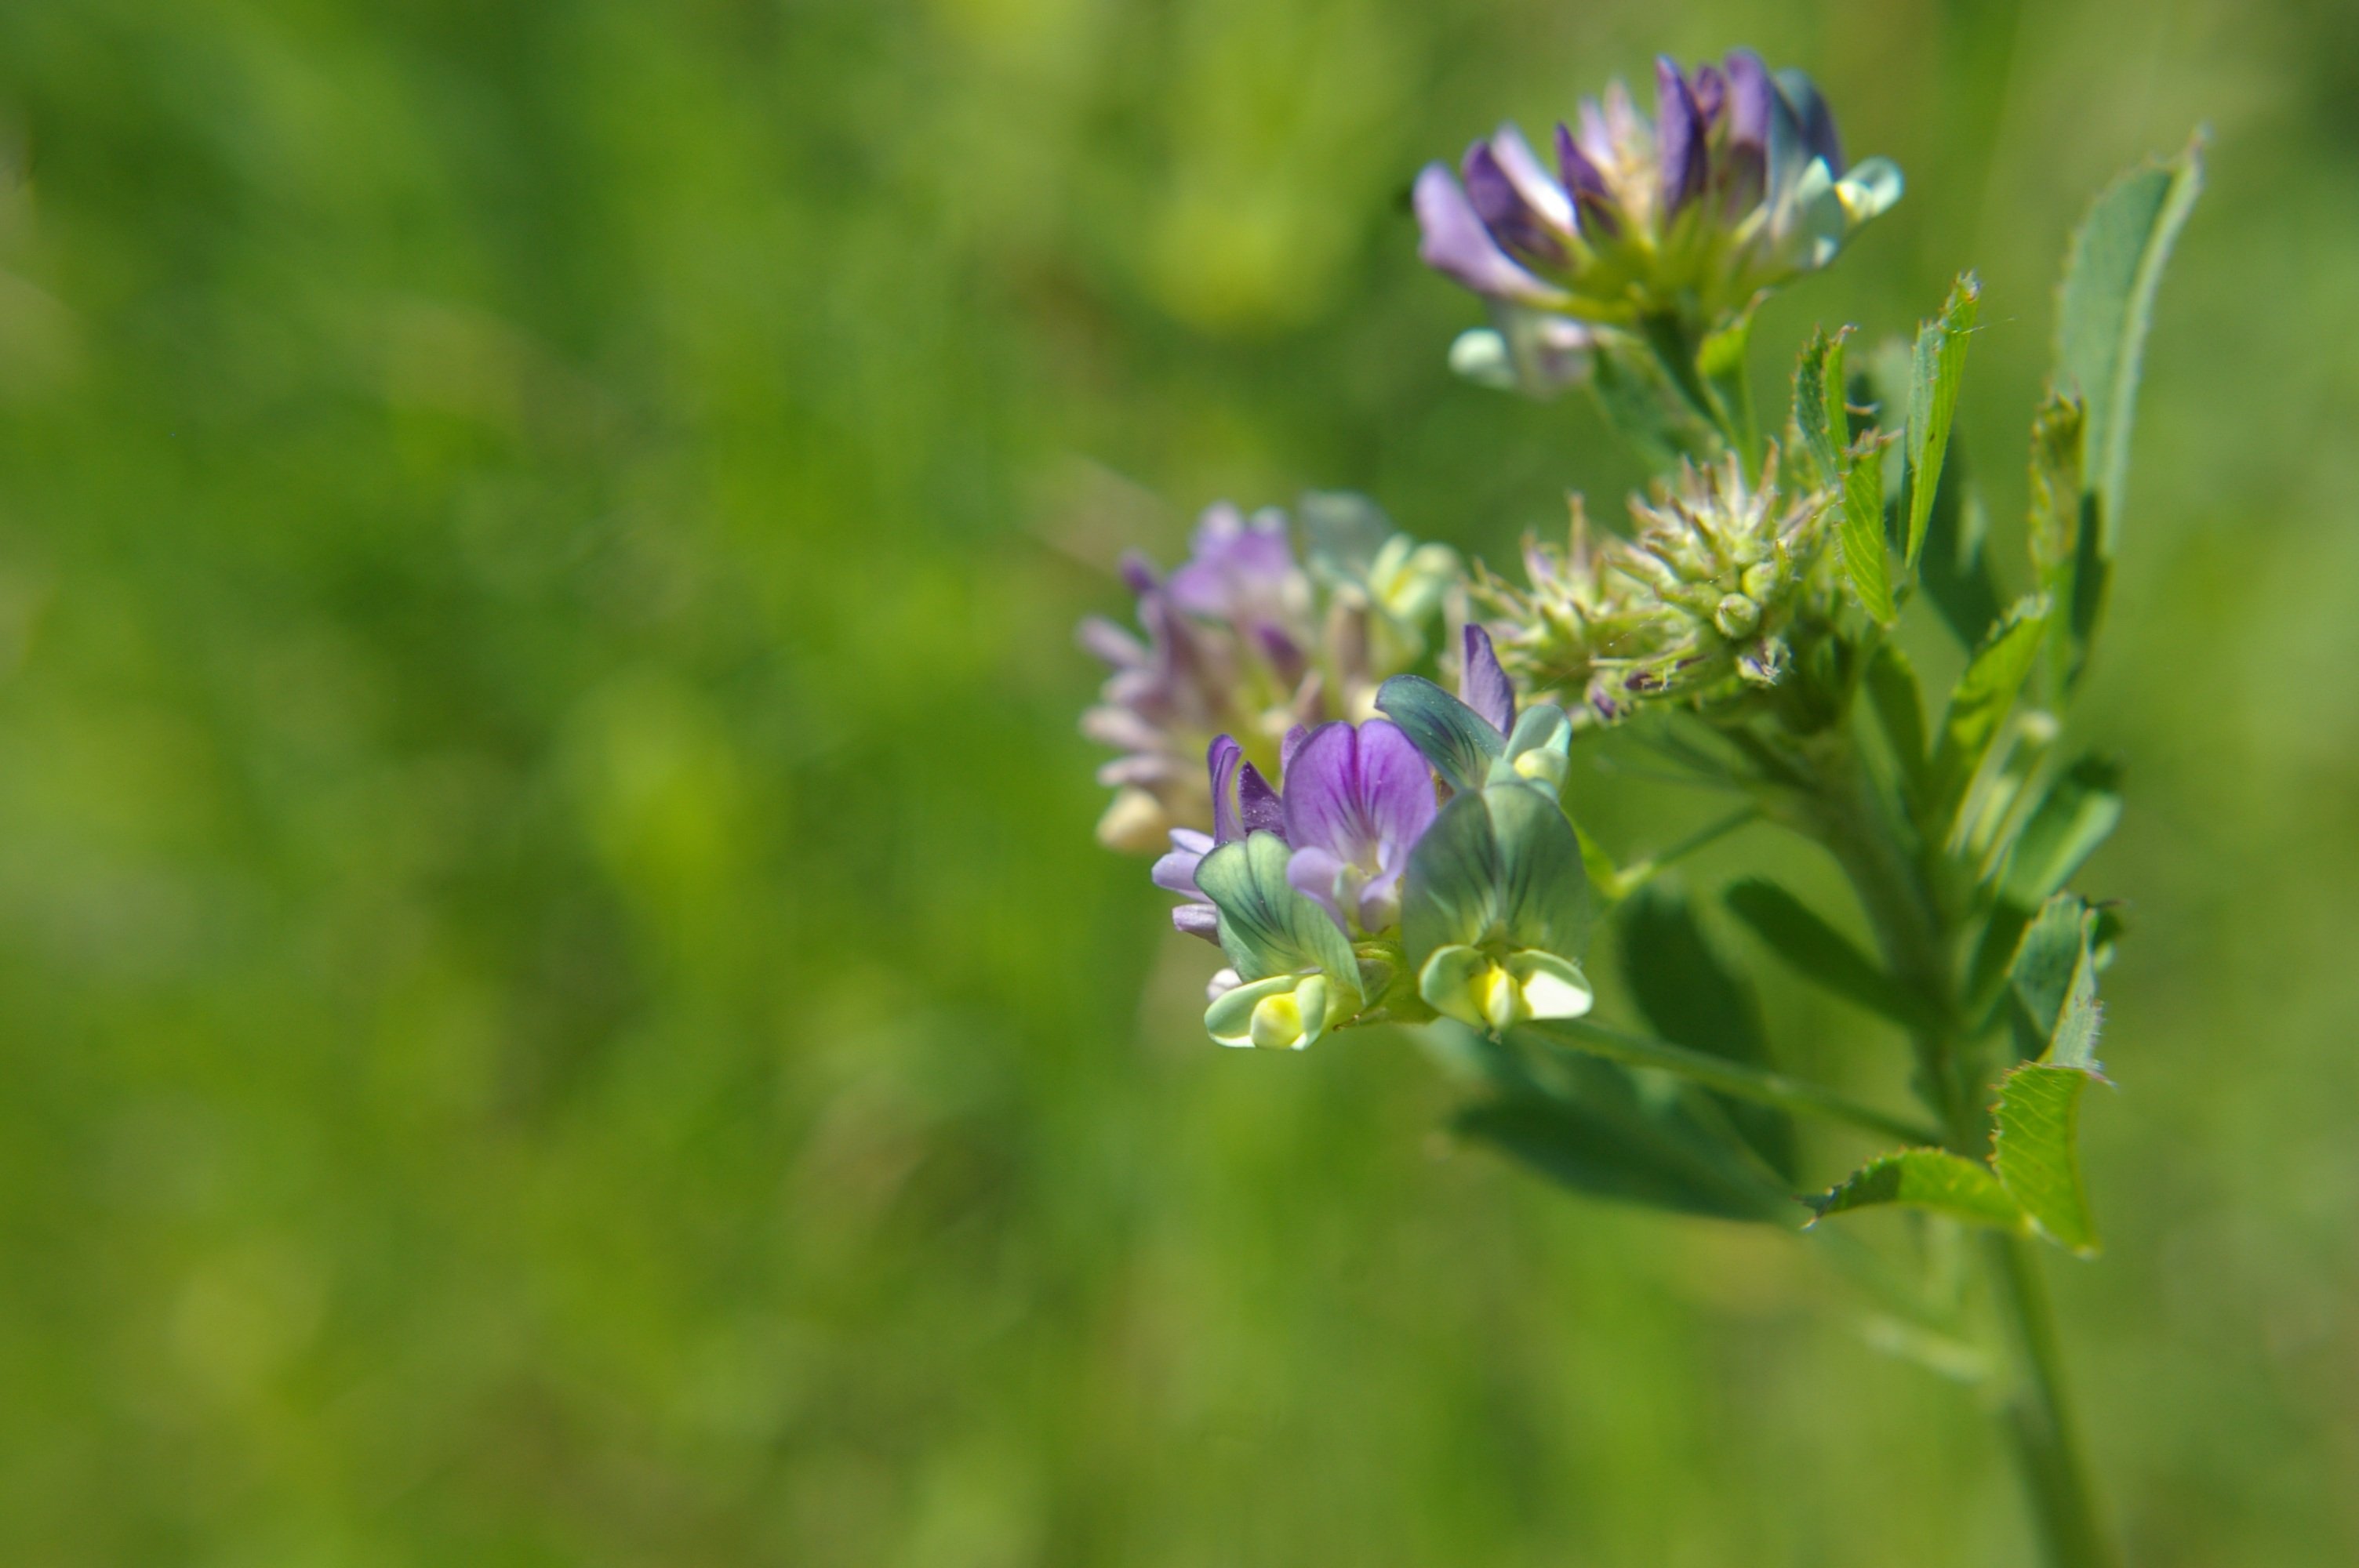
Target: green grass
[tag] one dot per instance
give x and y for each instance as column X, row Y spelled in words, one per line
column 560, row 1006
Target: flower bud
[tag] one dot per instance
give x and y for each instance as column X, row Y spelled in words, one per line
column 1698, row 606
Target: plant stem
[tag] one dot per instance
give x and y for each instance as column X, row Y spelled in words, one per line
column 2037, row 1415
column 1845, row 813
column 1729, row 1077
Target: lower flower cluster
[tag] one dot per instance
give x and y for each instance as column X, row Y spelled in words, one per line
column 1406, row 867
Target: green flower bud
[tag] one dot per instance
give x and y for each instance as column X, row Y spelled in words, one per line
column 1698, row 607
column 1498, row 992
column 1284, row 1012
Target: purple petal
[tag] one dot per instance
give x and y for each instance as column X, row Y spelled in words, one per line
column 1175, row 871
column 1818, row 121
column 1456, row 244
column 1710, row 94
column 1259, row 808
column 1313, row 871
column 1119, row 727
column 1483, row 685
column 1591, row 198
column 1102, row 639
column 1284, row 654
column 1750, row 98
column 1233, row 562
column 1223, row 758
column 1197, row 920
column 1139, row 573
column 1678, row 138
column 1620, row 115
column 1397, row 789
column 1541, row 193
column 1287, row 746
column 1363, row 794
column 1503, row 210
column 1143, row 769
column 1321, row 793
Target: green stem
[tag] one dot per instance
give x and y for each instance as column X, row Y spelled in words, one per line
column 1845, row 812
column 1675, row 347
column 2037, row 1415
column 1729, row 1077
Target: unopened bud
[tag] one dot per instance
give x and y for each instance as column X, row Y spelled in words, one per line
column 1736, row 616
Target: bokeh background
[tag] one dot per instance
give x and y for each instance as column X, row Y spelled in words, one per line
column 557, row 1001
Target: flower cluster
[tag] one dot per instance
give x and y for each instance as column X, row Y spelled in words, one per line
column 1351, row 892
column 1246, row 640
column 1702, row 604
column 1736, row 185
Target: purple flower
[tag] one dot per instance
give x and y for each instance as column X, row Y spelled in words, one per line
column 1357, row 800
column 1242, row 569
column 1736, row 184
column 1242, row 803
column 1242, row 641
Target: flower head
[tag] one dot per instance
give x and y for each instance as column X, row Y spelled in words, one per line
column 1243, row 640
column 1736, row 184
column 1701, row 604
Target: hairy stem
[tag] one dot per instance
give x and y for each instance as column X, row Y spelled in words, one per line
column 1729, row 1077
column 1846, row 813
column 2037, row 1415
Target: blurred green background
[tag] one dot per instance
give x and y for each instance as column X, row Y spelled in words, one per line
column 560, row 1003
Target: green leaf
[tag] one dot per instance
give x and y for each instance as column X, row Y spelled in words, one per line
column 1893, row 692
column 2055, row 980
column 1266, row 926
column 1457, row 742
column 1796, row 934
column 2036, row 1151
column 1934, row 370
column 2106, row 304
column 1954, row 571
column 1859, row 532
column 1610, row 1133
column 1931, row 1179
column 1693, row 999
column 2079, row 813
column 2052, row 530
column 2061, row 530
column 1819, row 402
column 1983, row 697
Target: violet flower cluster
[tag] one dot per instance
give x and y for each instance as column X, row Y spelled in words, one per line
column 1402, row 868
column 1246, row 640
column 1736, row 184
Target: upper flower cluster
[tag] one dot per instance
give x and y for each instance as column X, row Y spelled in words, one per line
column 1700, row 603
column 1735, row 185
column 1246, row 640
